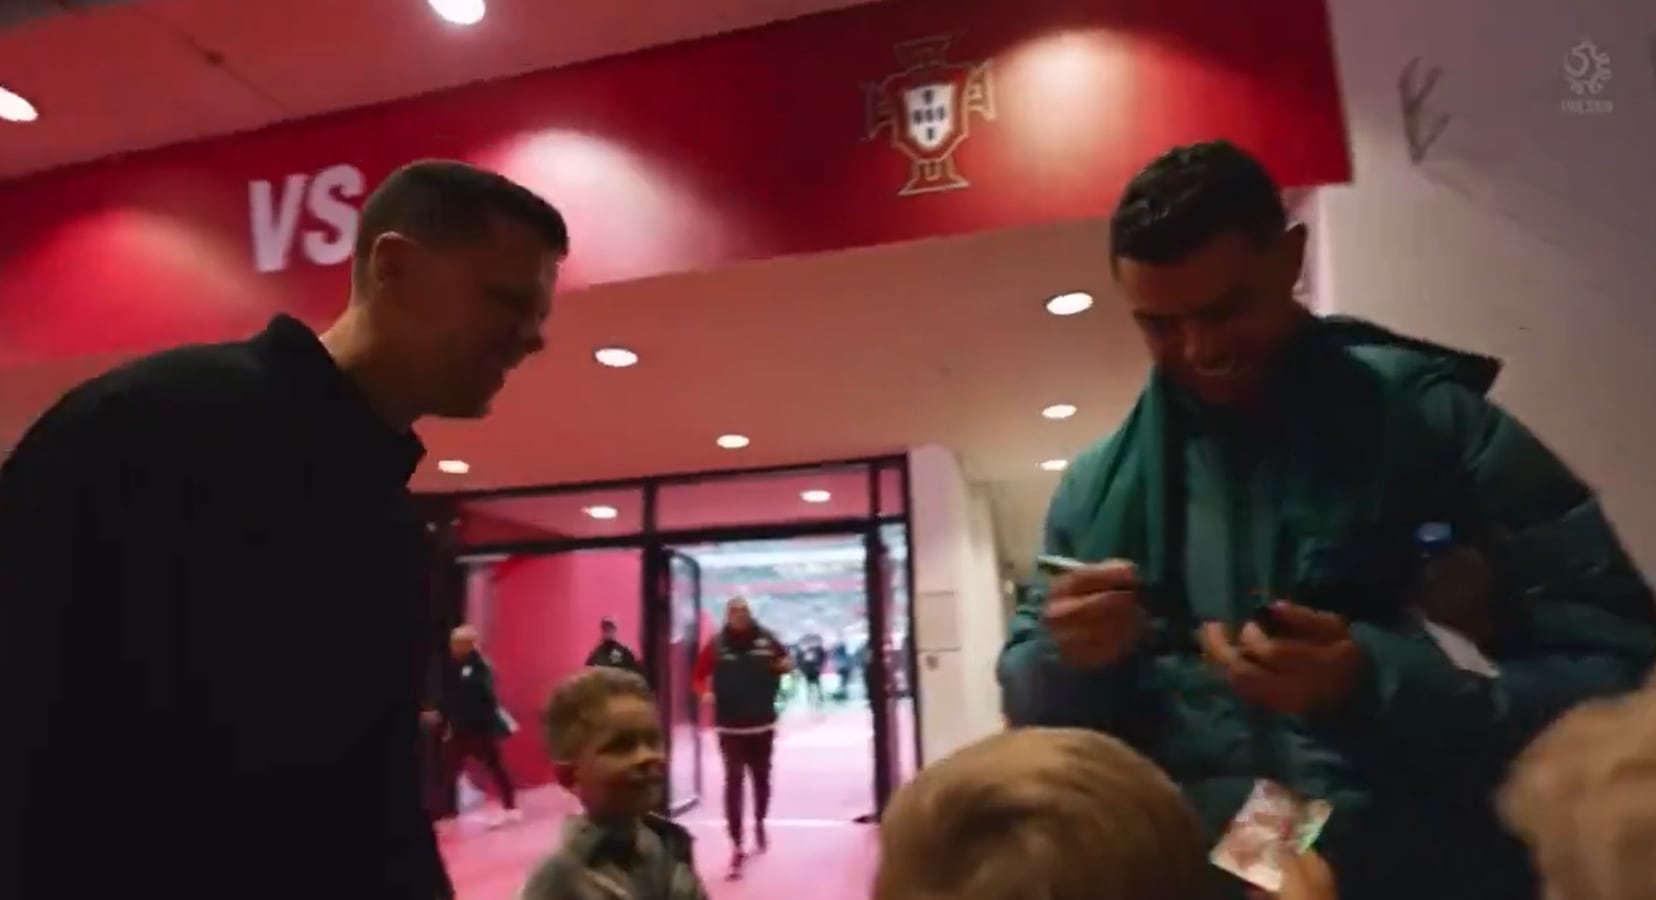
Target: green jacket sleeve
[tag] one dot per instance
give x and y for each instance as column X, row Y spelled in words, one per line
column 1582, row 616
column 1036, row 688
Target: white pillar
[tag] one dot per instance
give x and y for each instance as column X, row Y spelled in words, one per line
column 959, row 616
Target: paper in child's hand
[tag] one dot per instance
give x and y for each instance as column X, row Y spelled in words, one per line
column 1273, row 821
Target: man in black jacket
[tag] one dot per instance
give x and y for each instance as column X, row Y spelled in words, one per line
column 611, row 652
column 738, row 674
column 470, row 723
column 213, row 606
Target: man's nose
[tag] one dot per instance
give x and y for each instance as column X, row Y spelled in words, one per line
column 532, row 338
column 1202, row 346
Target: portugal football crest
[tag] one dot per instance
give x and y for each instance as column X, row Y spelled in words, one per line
column 926, row 108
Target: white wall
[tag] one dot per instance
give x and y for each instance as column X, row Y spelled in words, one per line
column 1528, row 232
column 959, row 618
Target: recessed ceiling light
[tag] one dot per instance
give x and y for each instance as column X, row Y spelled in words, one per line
column 1069, row 304
column 1055, row 465
column 615, row 357
column 1059, row 411
column 459, row 12
column 13, row 108
column 453, row 466
column 602, row 512
column 733, row 441
column 816, row 496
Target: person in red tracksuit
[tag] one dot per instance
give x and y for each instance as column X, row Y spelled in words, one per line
column 738, row 673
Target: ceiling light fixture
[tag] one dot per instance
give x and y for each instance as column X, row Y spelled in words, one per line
column 1069, row 304
column 453, row 466
column 1059, row 411
column 459, row 12
column 602, row 512
column 817, row 496
column 615, row 357
column 733, row 441
column 13, row 108
column 1055, row 465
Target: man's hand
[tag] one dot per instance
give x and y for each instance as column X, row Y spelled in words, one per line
column 1096, row 614
column 431, row 718
column 1310, row 666
column 784, row 665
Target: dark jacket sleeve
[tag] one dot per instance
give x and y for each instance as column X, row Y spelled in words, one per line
column 1583, row 615
column 84, row 647
column 1037, row 689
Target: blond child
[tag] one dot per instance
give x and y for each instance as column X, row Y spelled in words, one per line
column 1583, row 798
column 605, row 736
column 1053, row 814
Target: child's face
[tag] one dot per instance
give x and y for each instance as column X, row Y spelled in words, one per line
column 622, row 769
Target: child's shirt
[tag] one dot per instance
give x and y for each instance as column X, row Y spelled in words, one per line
column 649, row 861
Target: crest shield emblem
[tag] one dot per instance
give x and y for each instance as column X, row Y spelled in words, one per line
column 925, row 110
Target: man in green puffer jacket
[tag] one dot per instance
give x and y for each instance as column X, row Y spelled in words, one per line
column 1250, row 607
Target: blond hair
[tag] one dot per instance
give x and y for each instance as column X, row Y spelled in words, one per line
column 577, row 702
column 1041, row 814
column 1582, row 796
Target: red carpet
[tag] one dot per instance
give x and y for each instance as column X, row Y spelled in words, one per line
column 822, row 780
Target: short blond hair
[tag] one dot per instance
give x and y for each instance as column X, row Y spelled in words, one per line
column 1042, row 814
column 577, row 701
column 1582, row 796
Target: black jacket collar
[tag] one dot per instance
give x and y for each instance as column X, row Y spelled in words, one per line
column 293, row 350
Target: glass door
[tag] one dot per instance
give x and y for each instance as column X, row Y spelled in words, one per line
column 673, row 636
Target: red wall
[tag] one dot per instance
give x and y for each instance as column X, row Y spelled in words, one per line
column 539, row 622
column 681, row 158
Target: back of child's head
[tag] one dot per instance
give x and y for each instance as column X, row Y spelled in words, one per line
column 1041, row 814
column 572, row 715
column 1583, row 798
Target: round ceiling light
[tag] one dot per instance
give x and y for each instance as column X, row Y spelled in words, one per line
column 1069, row 304
column 13, row 108
column 459, row 12
column 1059, row 411
column 453, row 466
column 1055, row 465
column 733, row 441
column 602, row 512
column 615, row 357
column 817, row 496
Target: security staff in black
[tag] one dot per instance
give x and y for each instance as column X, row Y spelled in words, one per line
column 213, row 598
column 611, row 652
column 738, row 673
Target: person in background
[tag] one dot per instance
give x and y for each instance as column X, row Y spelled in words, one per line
column 1249, row 547
column 811, row 658
column 844, row 668
column 471, row 723
column 611, row 652
column 210, row 556
column 1061, row 814
column 737, row 674
column 604, row 731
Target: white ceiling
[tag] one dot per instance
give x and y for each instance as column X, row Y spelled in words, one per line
column 127, row 76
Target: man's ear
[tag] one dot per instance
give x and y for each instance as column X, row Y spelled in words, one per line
column 565, row 773
column 389, row 259
column 1291, row 253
